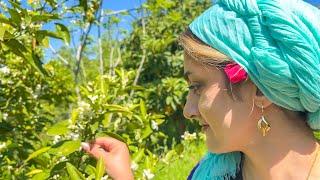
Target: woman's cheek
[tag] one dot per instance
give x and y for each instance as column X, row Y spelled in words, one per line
column 204, row 105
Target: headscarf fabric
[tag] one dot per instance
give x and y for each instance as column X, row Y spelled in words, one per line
column 277, row 42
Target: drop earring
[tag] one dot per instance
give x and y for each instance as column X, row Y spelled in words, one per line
column 263, row 125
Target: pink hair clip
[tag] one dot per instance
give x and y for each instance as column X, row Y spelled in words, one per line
column 235, row 73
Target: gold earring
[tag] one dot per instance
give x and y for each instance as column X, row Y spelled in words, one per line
column 263, row 125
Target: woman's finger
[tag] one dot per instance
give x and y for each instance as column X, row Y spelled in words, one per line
column 96, row 151
column 109, row 143
column 85, row 146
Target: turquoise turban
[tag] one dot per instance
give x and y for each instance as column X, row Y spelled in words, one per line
column 277, row 42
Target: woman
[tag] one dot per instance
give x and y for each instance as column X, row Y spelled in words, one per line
column 253, row 67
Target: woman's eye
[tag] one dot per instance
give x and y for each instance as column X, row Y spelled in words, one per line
column 195, row 88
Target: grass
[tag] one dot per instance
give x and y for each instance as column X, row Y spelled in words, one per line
column 182, row 166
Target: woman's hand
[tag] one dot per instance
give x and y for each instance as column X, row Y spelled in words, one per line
column 115, row 155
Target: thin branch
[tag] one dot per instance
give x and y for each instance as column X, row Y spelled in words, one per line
column 111, row 61
column 143, row 58
column 83, row 44
column 119, row 58
column 120, row 11
column 80, row 50
column 59, row 56
column 100, row 43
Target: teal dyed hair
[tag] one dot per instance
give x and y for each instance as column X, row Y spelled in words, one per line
column 277, row 42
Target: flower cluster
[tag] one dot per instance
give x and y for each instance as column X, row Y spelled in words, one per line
column 148, row 174
column 235, row 73
column 187, row 136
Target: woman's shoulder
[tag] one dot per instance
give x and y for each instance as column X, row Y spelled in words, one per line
column 192, row 171
column 238, row 175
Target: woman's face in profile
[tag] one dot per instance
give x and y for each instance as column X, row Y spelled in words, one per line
column 230, row 122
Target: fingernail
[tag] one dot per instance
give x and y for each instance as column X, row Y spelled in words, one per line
column 85, row 146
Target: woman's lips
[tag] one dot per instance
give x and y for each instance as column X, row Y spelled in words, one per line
column 205, row 127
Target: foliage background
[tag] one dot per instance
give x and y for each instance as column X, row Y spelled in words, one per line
column 129, row 88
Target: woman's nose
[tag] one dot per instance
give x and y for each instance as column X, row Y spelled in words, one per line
column 190, row 110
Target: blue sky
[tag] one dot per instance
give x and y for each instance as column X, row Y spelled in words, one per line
column 116, row 5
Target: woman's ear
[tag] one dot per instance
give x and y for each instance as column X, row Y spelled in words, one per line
column 260, row 100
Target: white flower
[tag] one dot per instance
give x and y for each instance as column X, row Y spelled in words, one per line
column 35, row 96
column 83, row 106
column 105, row 177
column 5, row 116
column 63, row 158
column 56, row 176
column 80, row 126
column 71, row 126
column 147, row 174
column 154, row 125
column 164, row 160
column 93, row 98
column 134, row 166
column 188, row 136
column 56, row 139
column 23, row 26
column 5, row 70
column 2, row 145
column 38, row 87
column 73, row 136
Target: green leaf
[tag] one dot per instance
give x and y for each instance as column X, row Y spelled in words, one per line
column 44, row 17
column 114, row 135
column 316, row 134
column 65, row 148
column 41, row 176
column 38, row 63
column 159, row 121
column 2, row 31
column 74, row 116
column 117, row 108
column 4, row 19
column 58, row 167
column 74, row 174
column 15, row 46
column 49, row 34
column 90, row 170
column 100, row 168
column 34, row 171
column 84, row 5
column 107, row 119
column 37, row 153
column 15, row 17
column 138, row 118
column 158, row 116
column 35, row 62
column 63, row 31
column 52, row 3
column 146, row 132
column 58, row 129
column 138, row 156
column 94, row 127
column 143, row 109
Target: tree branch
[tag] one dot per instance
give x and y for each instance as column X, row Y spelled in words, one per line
column 59, row 56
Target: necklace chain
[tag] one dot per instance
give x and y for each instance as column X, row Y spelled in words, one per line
column 314, row 161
